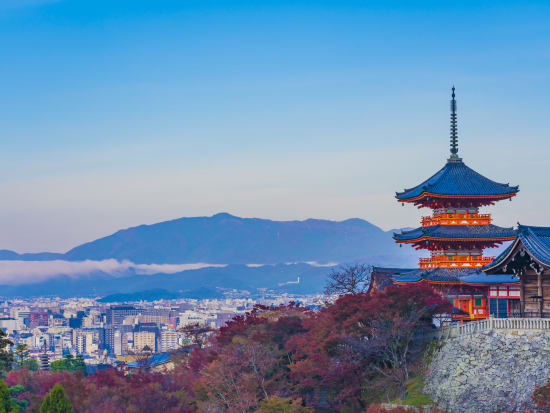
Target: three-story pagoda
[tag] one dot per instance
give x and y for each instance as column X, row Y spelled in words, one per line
column 456, row 233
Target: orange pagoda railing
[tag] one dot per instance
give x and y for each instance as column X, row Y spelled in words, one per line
column 458, row 261
column 456, row 219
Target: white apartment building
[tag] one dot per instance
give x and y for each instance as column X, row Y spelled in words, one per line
column 169, row 340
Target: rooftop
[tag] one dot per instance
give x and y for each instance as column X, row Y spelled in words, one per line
column 456, row 232
column 457, row 179
column 459, row 276
column 535, row 240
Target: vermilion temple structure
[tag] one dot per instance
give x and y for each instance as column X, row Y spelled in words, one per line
column 456, row 234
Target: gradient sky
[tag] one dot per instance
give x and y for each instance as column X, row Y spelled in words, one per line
column 120, row 113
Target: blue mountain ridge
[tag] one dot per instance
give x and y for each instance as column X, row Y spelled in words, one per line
column 227, row 239
column 283, row 247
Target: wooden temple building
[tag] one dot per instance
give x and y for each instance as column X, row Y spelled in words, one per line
column 527, row 258
column 456, row 234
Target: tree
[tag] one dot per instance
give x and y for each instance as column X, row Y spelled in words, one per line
column 196, row 332
column 6, row 355
column 69, row 363
column 246, row 360
column 282, row 405
column 7, row 403
column 21, row 352
column 56, row 401
column 541, row 397
column 363, row 344
column 239, row 377
column 22, row 358
column 348, row 279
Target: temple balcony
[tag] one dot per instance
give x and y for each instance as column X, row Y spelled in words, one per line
column 459, row 261
column 456, row 219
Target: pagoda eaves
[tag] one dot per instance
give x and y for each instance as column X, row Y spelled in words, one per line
column 457, row 184
column 456, row 233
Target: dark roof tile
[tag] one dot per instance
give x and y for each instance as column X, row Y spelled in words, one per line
column 455, row 178
column 456, row 231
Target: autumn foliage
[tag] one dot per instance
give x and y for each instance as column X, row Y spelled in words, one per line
column 347, row 356
column 541, row 397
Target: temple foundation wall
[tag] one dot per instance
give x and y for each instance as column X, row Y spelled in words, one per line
column 490, row 370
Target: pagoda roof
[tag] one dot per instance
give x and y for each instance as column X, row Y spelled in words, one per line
column 480, row 277
column 457, row 179
column 535, row 241
column 456, row 232
column 454, row 276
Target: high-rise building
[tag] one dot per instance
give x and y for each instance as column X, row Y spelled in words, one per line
column 169, row 340
column 117, row 314
column 144, row 340
column 38, row 318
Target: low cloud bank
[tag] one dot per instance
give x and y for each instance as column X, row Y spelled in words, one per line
column 28, row 272
column 312, row 263
column 16, row 272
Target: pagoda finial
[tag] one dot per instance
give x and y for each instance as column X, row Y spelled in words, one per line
column 454, row 136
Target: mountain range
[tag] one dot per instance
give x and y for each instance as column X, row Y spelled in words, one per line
column 251, row 253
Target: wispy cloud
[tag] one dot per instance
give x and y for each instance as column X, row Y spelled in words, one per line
column 314, row 263
column 15, row 272
column 28, row 272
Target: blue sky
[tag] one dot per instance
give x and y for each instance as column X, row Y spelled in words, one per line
column 116, row 114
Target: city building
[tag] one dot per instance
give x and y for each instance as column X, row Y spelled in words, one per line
column 169, row 340
column 82, row 326
column 145, row 341
column 117, row 314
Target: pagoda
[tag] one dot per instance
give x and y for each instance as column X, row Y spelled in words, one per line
column 456, row 233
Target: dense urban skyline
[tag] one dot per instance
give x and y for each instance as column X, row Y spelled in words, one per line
column 120, row 115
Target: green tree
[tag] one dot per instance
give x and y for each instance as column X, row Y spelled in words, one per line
column 21, row 354
column 281, row 405
column 22, row 358
column 6, row 355
column 69, row 363
column 56, row 401
column 7, row 404
column 30, row 363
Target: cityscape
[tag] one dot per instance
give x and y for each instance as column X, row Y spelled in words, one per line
column 121, row 333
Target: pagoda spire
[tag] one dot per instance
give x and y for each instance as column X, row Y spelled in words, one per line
column 454, row 136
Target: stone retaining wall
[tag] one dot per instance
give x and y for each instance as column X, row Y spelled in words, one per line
column 489, row 371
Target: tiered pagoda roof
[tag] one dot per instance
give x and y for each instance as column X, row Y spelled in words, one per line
column 456, row 180
column 454, row 276
column 456, row 233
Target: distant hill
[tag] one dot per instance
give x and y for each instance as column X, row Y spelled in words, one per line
column 40, row 256
column 227, row 239
column 148, row 295
column 279, row 252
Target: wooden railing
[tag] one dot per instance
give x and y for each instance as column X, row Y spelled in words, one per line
column 495, row 324
column 456, row 219
column 457, row 261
